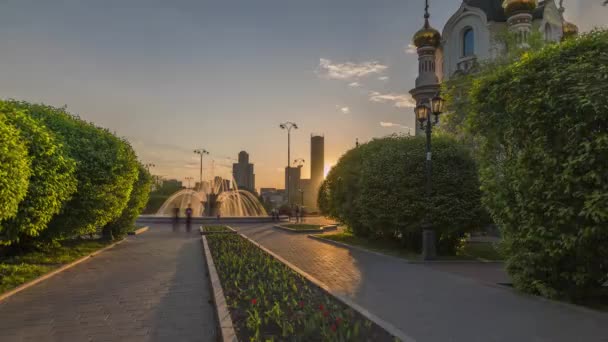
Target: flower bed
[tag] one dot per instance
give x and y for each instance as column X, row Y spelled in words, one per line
column 216, row 229
column 269, row 301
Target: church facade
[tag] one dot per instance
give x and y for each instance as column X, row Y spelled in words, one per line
column 471, row 35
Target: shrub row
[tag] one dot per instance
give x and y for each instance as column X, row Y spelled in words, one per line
column 378, row 190
column 542, row 123
column 61, row 176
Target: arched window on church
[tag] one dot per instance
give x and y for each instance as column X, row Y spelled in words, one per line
column 548, row 32
column 468, row 42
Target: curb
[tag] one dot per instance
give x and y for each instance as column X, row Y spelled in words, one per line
column 409, row 261
column 226, row 329
column 320, row 230
column 232, row 231
column 139, row 231
column 55, row 272
column 391, row 329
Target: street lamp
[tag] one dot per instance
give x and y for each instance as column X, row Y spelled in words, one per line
column 423, row 115
column 288, row 126
column 148, row 166
column 189, row 179
column 201, row 152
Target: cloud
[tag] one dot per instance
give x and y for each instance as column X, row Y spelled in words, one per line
column 411, row 49
column 354, row 84
column 391, row 124
column 343, row 109
column 383, row 78
column 348, row 70
column 398, row 100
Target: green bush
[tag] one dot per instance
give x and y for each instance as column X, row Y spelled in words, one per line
column 137, row 201
column 378, row 189
column 14, row 169
column 52, row 181
column 106, row 169
column 543, row 128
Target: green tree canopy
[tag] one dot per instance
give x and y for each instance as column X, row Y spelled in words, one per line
column 542, row 124
column 14, row 168
column 52, row 181
column 106, row 169
column 378, row 189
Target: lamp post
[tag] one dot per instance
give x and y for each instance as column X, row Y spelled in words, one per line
column 423, row 115
column 288, row 126
column 189, row 179
column 201, row 152
column 148, row 166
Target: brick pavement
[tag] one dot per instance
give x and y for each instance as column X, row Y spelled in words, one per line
column 429, row 304
column 151, row 287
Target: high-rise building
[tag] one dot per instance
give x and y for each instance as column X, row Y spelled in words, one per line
column 243, row 172
column 317, row 166
column 293, row 184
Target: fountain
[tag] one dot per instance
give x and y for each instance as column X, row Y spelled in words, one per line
column 219, row 196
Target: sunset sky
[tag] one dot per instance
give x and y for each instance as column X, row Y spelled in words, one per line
column 176, row 75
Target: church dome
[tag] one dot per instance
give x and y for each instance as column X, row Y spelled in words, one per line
column 516, row 6
column 569, row 30
column 427, row 36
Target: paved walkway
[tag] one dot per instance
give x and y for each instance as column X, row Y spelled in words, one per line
column 429, row 304
column 151, row 287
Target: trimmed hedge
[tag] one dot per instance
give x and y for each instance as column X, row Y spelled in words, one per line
column 52, row 181
column 14, row 168
column 138, row 199
column 106, row 169
column 543, row 128
column 378, row 190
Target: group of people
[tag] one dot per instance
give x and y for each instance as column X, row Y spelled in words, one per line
column 297, row 212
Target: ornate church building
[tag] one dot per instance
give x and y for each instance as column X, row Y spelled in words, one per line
column 470, row 35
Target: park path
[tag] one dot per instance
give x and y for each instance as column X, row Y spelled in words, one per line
column 429, row 304
column 152, row 287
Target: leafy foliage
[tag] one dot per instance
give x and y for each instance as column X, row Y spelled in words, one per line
column 14, row 168
column 52, row 181
column 106, row 170
column 378, row 190
column 270, row 302
column 137, row 201
column 543, row 129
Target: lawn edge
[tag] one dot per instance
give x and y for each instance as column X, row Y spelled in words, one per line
column 222, row 313
column 410, row 261
column 391, row 329
column 321, row 229
column 139, row 231
column 232, row 231
column 54, row 272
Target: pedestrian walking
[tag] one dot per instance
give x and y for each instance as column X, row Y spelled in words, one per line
column 188, row 218
column 297, row 214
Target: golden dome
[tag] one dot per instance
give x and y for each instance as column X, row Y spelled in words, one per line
column 427, row 36
column 569, row 30
column 514, row 6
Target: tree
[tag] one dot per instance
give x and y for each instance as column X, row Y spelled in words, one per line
column 14, row 169
column 378, row 190
column 51, row 183
column 542, row 124
column 106, row 168
column 137, row 201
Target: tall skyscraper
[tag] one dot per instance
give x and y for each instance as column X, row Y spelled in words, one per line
column 243, row 172
column 317, row 162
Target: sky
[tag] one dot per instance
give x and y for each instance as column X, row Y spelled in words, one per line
column 172, row 76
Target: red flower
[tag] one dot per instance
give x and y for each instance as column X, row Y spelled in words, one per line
column 254, row 301
column 325, row 313
column 333, row 327
column 301, row 303
column 338, row 321
column 321, row 307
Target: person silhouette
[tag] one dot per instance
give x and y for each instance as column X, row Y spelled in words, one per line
column 188, row 218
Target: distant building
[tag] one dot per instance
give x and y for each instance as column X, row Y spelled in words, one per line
column 243, row 172
column 293, row 184
column 272, row 197
column 310, row 187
